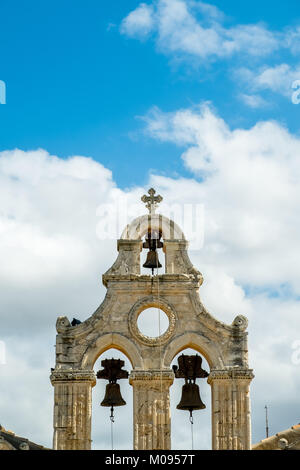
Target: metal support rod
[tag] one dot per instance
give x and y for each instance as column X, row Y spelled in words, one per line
column 112, row 420
column 267, row 422
column 192, row 428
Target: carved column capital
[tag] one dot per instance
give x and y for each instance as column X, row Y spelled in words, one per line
column 230, row 374
column 129, row 245
column 144, row 376
column 72, row 375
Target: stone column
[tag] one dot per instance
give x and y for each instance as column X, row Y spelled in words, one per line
column 129, row 252
column 231, row 420
column 72, row 409
column 173, row 250
column 151, row 409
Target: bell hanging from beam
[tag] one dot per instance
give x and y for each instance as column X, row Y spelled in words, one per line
column 113, row 396
column 153, row 242
column 112, row 371
column 152, row 260
column 190, row 369
column 190, row 398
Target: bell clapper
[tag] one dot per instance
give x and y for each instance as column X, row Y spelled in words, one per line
column 112, row 418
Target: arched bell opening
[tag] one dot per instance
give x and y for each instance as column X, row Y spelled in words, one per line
column 184, row 434
column 109, row 341
column 152, row 257
column 105, row 433
column 139, row 227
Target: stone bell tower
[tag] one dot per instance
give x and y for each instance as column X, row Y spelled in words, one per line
column 114, row 325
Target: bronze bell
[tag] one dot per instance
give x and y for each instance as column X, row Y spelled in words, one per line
column 190, row 368
column 152, row 243
column 112, row 371
column 190, row 399
column 152, row 260
column 113, row 396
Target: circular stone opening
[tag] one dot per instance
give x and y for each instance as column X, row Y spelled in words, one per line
column 153, row 322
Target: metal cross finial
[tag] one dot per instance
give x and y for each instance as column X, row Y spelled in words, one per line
column 151, row 201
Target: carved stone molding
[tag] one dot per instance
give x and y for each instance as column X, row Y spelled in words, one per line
column 230, row 374
column 139, row 307
column 73, row 375
column 153, row 375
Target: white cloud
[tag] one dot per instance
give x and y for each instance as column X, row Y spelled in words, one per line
column 35, row 227
column 188, row 30
column 253, row 101
column 278, row 79
column 250, row 258
column 181, row 29
column 209, row 10
column 250, row 191
column 26, row 393
column 139, row 22
column 52, row 260
column 292, row 39
column 253, row 39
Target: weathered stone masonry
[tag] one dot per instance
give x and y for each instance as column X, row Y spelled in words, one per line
column 114, row 325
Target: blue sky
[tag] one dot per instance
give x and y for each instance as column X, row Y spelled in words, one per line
column 75, row 85
column 106, row 99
